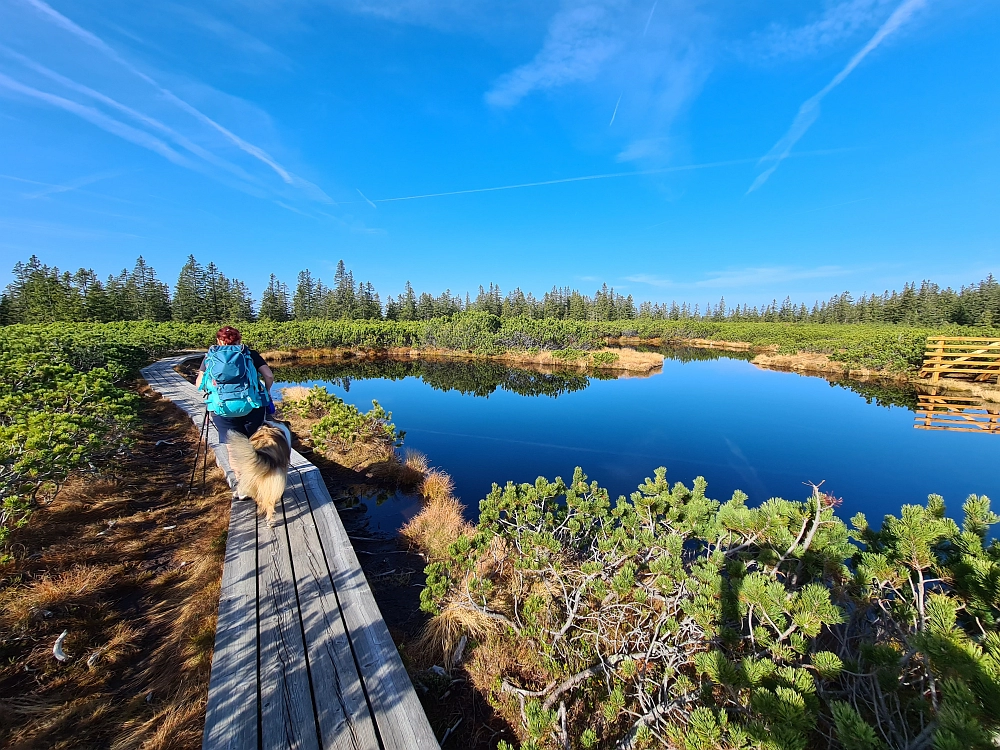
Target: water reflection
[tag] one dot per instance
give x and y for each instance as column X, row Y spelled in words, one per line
column 707, row 413
column 468, row 378
column 956, row 414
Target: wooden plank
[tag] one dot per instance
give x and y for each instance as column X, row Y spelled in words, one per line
column 966, row 344
column 982, row 424
column 962, row 356
column 955, row 429
column 233, row 699
column 966, row 357
column 287, row 718
column 962, row 338
column 958, row 413
column 399, row 717
column 954, row 364
column 341, row 708
column 964, row 370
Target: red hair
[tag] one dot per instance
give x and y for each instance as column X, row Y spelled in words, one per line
column 228, row 335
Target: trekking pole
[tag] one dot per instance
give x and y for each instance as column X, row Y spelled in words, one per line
column 204, row 463
column 202, row 438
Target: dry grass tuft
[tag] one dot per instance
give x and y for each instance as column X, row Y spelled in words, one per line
column 294, row 393
column 78, row 587
column 278, row 356
column 437, row 527
column 623, row 360
column 178, row 726
column 436, row 485
column 438, row 640
column 416, row 461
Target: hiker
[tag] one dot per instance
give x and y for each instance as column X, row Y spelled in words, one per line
column 236, row 398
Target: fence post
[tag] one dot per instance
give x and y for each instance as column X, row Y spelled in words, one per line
column 939, row 351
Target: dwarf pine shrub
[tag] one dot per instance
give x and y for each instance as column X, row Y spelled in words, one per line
column 341, row 425
column 670, row 619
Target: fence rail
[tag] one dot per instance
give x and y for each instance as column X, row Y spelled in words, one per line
column 961, row 357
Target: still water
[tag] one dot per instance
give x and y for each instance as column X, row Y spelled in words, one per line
column 720, row 417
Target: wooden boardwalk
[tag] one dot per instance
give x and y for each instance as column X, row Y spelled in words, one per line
column 302, row 657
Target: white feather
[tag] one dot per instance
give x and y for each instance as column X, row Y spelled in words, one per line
column 57, row 650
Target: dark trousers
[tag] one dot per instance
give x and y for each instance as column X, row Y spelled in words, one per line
column 247, row 424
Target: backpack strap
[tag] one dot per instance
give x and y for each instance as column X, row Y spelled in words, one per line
column 206, row 377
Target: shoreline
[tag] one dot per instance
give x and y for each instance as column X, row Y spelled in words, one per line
column 630, row 361
column 605, row 359
column 820, row 365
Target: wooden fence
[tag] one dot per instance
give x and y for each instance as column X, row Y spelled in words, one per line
column 961, row 357
column 956, row 414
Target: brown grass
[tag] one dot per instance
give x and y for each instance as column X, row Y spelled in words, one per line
column 416, row 461
column 628, row 360
column 294, row 393
column 436, row 486
column 283, row 356
column 437, row 641
column 138, row 599
column 436, row 527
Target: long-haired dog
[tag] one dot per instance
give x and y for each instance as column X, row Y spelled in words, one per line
column 261, row 463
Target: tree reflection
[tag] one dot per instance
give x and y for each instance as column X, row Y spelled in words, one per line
column 468, row 378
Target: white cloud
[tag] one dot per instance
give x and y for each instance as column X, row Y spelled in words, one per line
column 580, row 40
column 98, row 118
column 839, row 21
column 55, row 18
column 644, row 148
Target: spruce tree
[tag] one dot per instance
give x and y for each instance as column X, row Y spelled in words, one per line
column 189, row 293
column 304, row 301
column 274, row 302
column 408, row 303
column 147, row 297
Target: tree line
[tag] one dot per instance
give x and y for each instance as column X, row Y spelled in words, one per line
column 202, row 293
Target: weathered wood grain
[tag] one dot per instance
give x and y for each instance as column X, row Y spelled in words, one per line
column 401, row 722
column 341, row 709
column 286, row 705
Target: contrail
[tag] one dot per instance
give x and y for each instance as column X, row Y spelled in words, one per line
column 809, row 110
column 646, row 28
column 101, row 120
column 151, row 122
column 366, row 198
column 616, row 110
column 71, row 185
column 610, row 175
column 100, row 44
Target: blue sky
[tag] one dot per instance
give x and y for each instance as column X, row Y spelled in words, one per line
column 747, row 149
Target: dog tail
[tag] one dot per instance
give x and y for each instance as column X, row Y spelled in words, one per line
column 261, row 476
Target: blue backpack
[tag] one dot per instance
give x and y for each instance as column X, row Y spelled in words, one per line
column 231, row 381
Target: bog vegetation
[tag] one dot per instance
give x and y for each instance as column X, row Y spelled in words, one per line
column 668, row 619
column 65, row 405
